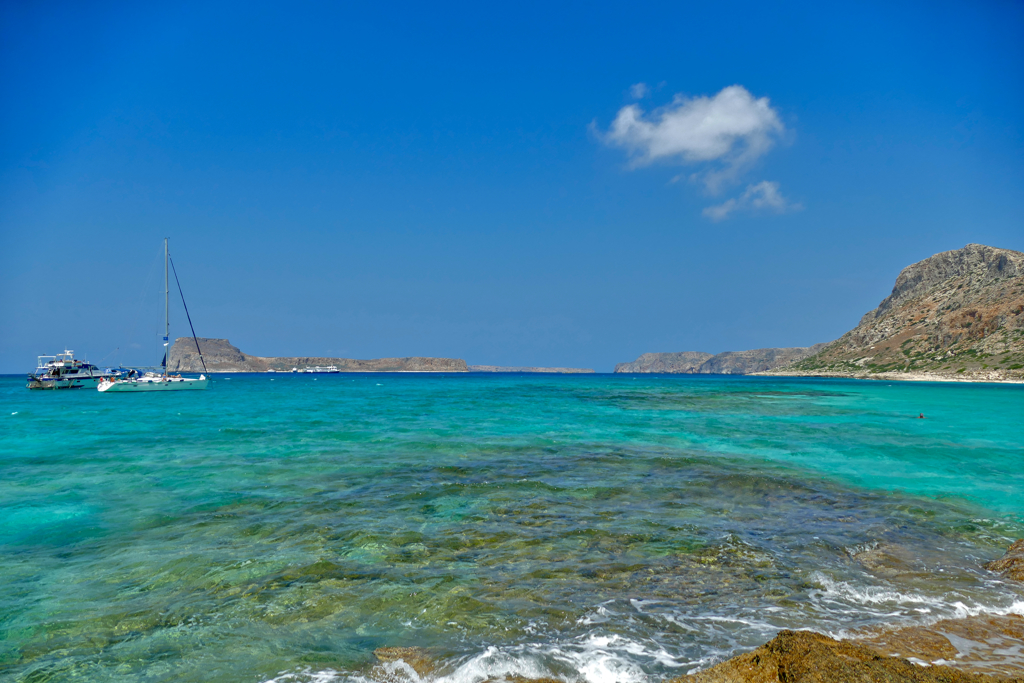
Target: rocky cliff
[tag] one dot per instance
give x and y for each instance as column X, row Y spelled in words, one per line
column 222, row 356
column 956, row 315
column 728, row 363
column 501, row 368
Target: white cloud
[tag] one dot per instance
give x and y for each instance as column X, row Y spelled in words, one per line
column 763, row 195
column 638, row 91
column 725, row 133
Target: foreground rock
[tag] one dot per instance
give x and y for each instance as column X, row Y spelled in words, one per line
column 728, row 363
column 1010, row 565
column 502, row 368
column 805, row 657
column 955, row 315
column 222, row 356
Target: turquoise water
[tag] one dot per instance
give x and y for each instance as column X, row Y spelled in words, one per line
column 592, row 528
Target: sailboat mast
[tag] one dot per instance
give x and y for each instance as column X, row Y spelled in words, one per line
column 167, row 308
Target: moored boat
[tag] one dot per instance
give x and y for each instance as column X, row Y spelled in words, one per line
column 64, row 371
column 152, row 381
column 321, row 369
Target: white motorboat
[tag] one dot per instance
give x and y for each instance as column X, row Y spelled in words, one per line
column 152, row 381
column 64, row 371
column 321, row 369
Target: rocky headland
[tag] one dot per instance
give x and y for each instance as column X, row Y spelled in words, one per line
column 727, row 363
column 501, row 368
column 222, row 356
column 957, row 315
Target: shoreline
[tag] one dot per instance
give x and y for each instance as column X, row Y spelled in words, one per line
column 989, row 378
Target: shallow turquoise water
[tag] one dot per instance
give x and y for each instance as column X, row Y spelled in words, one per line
column 594, row 528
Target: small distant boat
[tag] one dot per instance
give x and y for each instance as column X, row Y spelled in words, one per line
column 152, row 381
column 321, row 369
column 64, row 371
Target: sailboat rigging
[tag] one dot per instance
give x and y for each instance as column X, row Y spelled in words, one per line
column 152, row 381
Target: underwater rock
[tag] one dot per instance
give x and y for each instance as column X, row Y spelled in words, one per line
column 416, row 657
column 805, row 657
column 1010, row 565
column 985, row 644
column 888, row 560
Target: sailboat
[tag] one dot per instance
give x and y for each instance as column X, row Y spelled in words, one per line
column 153, row 381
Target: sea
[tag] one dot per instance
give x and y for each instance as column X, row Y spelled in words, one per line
column 588, row 528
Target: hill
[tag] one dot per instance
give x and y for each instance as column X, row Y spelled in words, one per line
column 955, row 315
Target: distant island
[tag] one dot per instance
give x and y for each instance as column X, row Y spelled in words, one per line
column 499, row 368
column 957, row 315
column 728, row 363
column 222, row 356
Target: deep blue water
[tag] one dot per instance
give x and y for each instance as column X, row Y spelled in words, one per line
column 595, row 528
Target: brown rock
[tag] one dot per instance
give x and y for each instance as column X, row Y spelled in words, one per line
column 887, row 560
column 805, row 657
column 1010, row 565
column 416, row 657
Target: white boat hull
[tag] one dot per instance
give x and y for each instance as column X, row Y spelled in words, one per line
column 158, row 384
column 63, row 382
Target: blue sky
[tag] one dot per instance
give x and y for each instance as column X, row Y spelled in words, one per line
column 528, row 185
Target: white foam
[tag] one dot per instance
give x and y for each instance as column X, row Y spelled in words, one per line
column 593, row 659
column 621, row 658
column 307, row 676
column 895, row 603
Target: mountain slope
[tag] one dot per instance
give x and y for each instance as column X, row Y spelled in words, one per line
column 957, row 314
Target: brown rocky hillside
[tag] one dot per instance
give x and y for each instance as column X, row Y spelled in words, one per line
column 958, row 314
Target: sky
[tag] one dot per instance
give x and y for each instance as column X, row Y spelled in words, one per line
column 540, row 184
